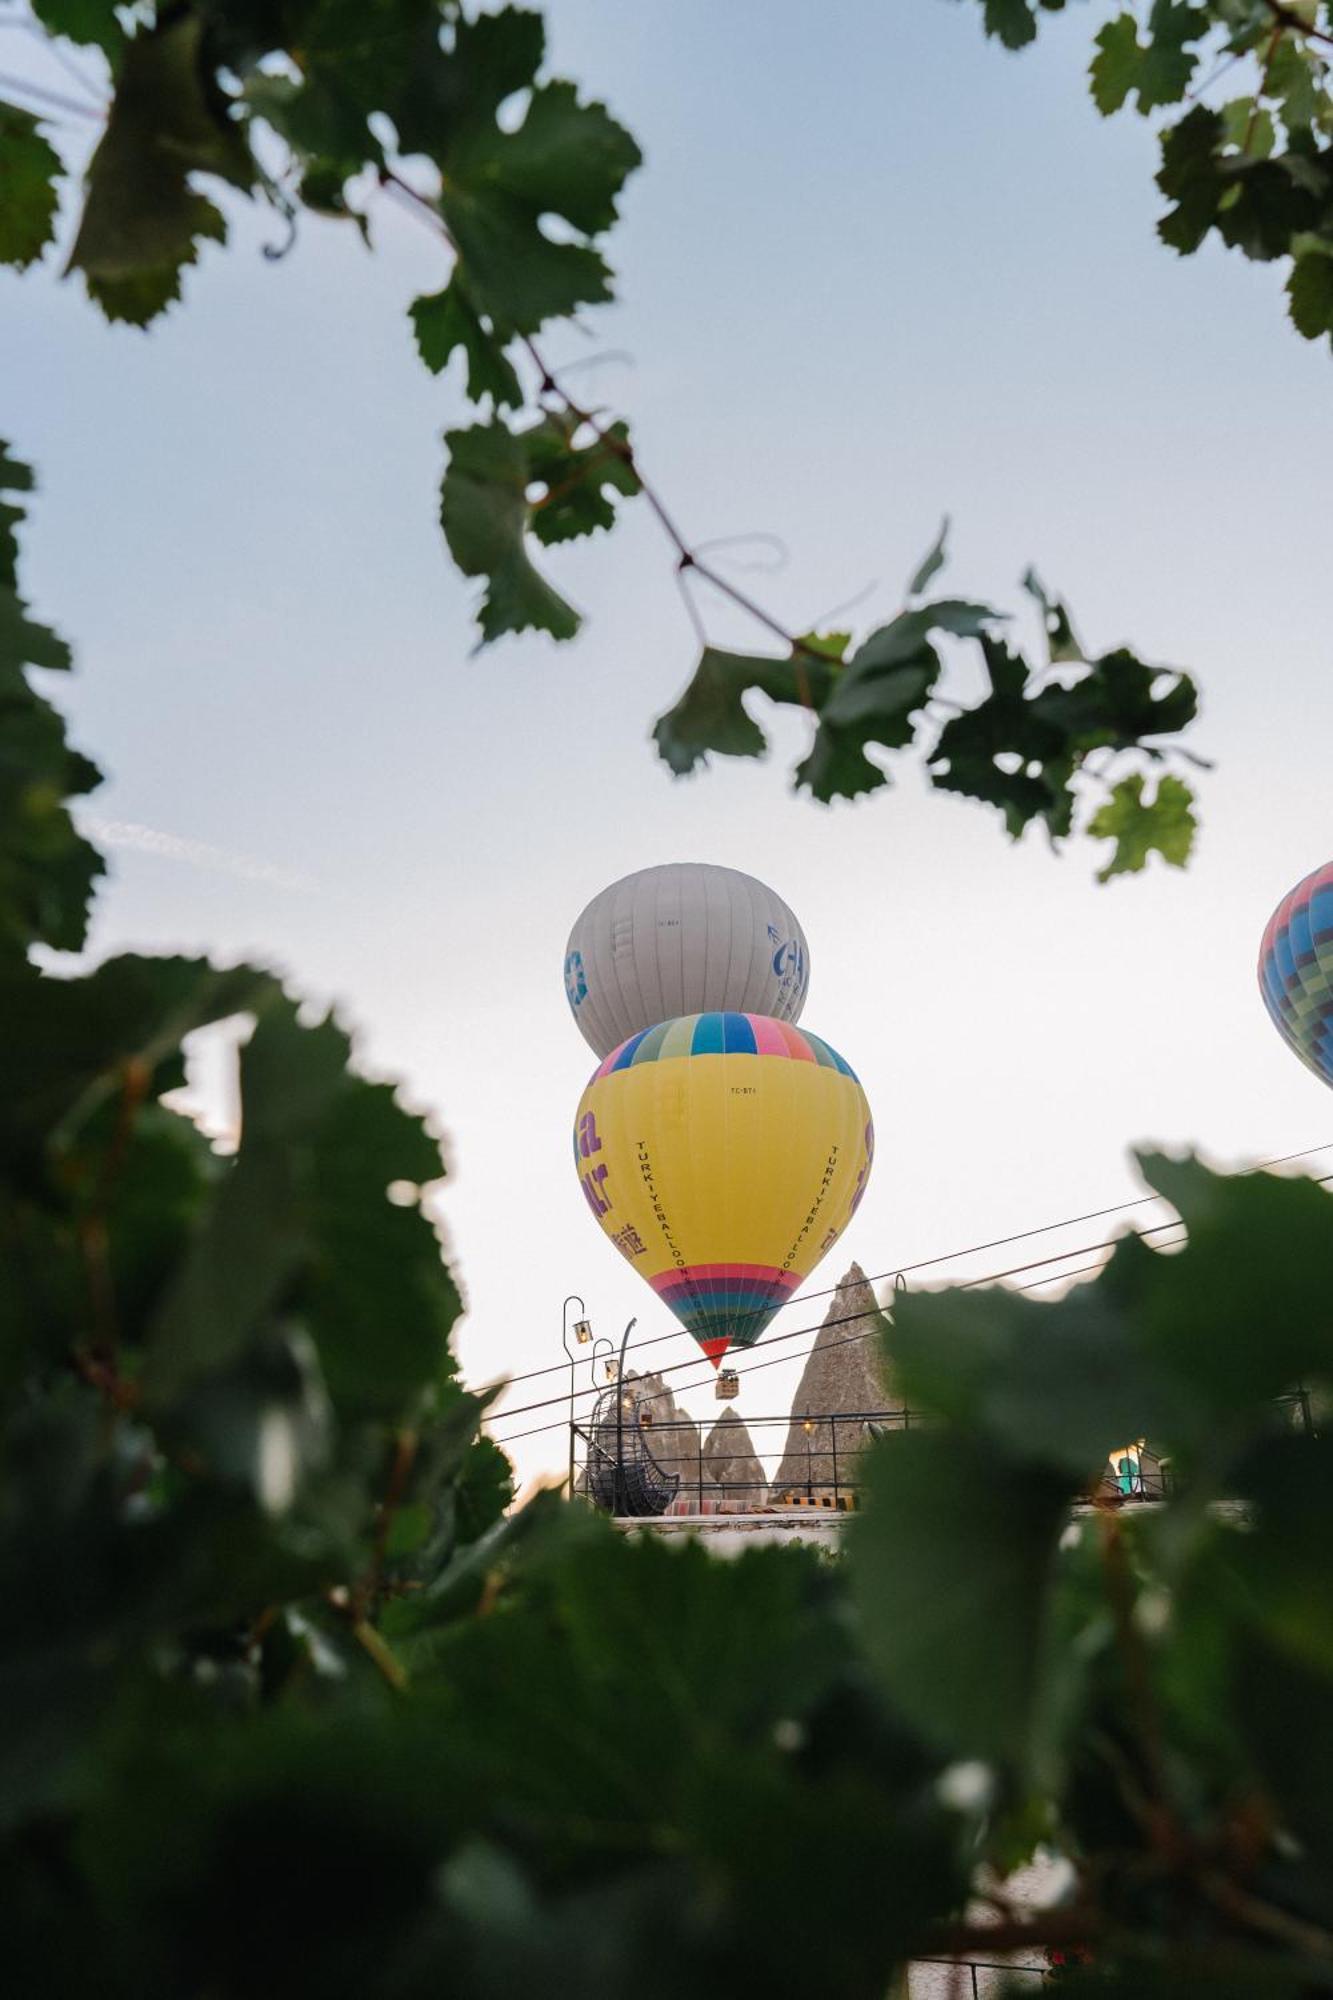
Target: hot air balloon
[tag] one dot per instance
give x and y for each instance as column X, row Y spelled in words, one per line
column 1296, row 970
column 685, row 938
column 723, row 1154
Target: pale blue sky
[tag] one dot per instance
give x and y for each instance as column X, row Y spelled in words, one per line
column 873, row 269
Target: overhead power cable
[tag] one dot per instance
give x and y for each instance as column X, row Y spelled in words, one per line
column 795, row 1333
column 928, row 1263
column 845, row 1319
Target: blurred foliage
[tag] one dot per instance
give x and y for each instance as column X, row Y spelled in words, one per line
column 1251, row 158
column 320, row 107
column 293, row 1700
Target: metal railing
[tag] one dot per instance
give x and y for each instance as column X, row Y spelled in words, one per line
column 626, row 1460
column 969, row 1984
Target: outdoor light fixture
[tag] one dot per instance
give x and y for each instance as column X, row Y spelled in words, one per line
column 611, row 1370
column 807, row 1426
column 728, row 1385
column 645, row 1418
column 583, row 1331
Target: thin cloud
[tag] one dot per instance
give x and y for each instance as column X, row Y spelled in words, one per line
column 130, row 834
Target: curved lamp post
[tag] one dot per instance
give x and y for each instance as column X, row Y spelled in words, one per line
column 582, row 1332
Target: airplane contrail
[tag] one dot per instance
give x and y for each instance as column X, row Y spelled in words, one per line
column 131, row 834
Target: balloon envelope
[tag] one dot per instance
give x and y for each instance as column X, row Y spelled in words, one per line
column 1296, row 970
column 723, row 1154
column 685, row 938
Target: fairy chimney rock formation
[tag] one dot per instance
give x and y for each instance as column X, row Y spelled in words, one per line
column 847, row 1371
column 673, row 1438
column 731, row 1460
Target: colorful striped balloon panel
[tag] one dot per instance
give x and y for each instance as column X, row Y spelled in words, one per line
column 1296, row 970
column 725, row 1305
column 723, row 1034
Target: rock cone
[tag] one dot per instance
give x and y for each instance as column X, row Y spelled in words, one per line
column 847, row 1372
column 731, row 1460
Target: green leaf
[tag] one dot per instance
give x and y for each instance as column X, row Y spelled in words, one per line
column 484, row 513
column 1159, row 70
column 1054, row 1383
column 952, row 1561
column 47, row 869
column 1295, row 80
column 931, row 563
column 1115, row 67
column 1310, row 293
column 75, row 1043
column 518, row 277
column 576, row 480
column 1012, row 22
column 1234, row 1315
column 1139, row 826
column 303, row 1224
column 563, row 159
column 1062, row 642
column 447, row 321
column 1249, row 127
column 711, row 714
column 88, row 21
column 29, row 168
column 137, row 297
column 1191, row 177
column 142, row 221
column 1006, row 751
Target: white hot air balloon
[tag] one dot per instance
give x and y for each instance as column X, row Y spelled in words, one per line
column 685, row 938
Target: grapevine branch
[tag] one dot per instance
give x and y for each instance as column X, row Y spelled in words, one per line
column 688, row 557
column 1286, row 16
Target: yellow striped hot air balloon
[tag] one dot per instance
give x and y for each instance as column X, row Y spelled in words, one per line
column 723, row 1154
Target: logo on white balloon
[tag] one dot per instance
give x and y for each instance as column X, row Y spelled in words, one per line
column 788, row 961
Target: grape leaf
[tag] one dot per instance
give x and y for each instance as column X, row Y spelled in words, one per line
column 1310, row 293
column 303, row 1223
column 1191, row 177
column 576, row 479
column 711, row 714
column 1115, row 67
column 484, row 514
column 488, row 506
column 1014, row 22
column 1158, row 70
column 1249, row 127
column 564, row 158
column 29, row 167
column 47, row 869
column 1062, row 641
column 955, row 1606
column 142, row 221
column 1257, row 206
column 1139, row 826
column 874, row 699
column 447, row 321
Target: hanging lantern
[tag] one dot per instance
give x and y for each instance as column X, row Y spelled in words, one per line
column 583, row 1331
